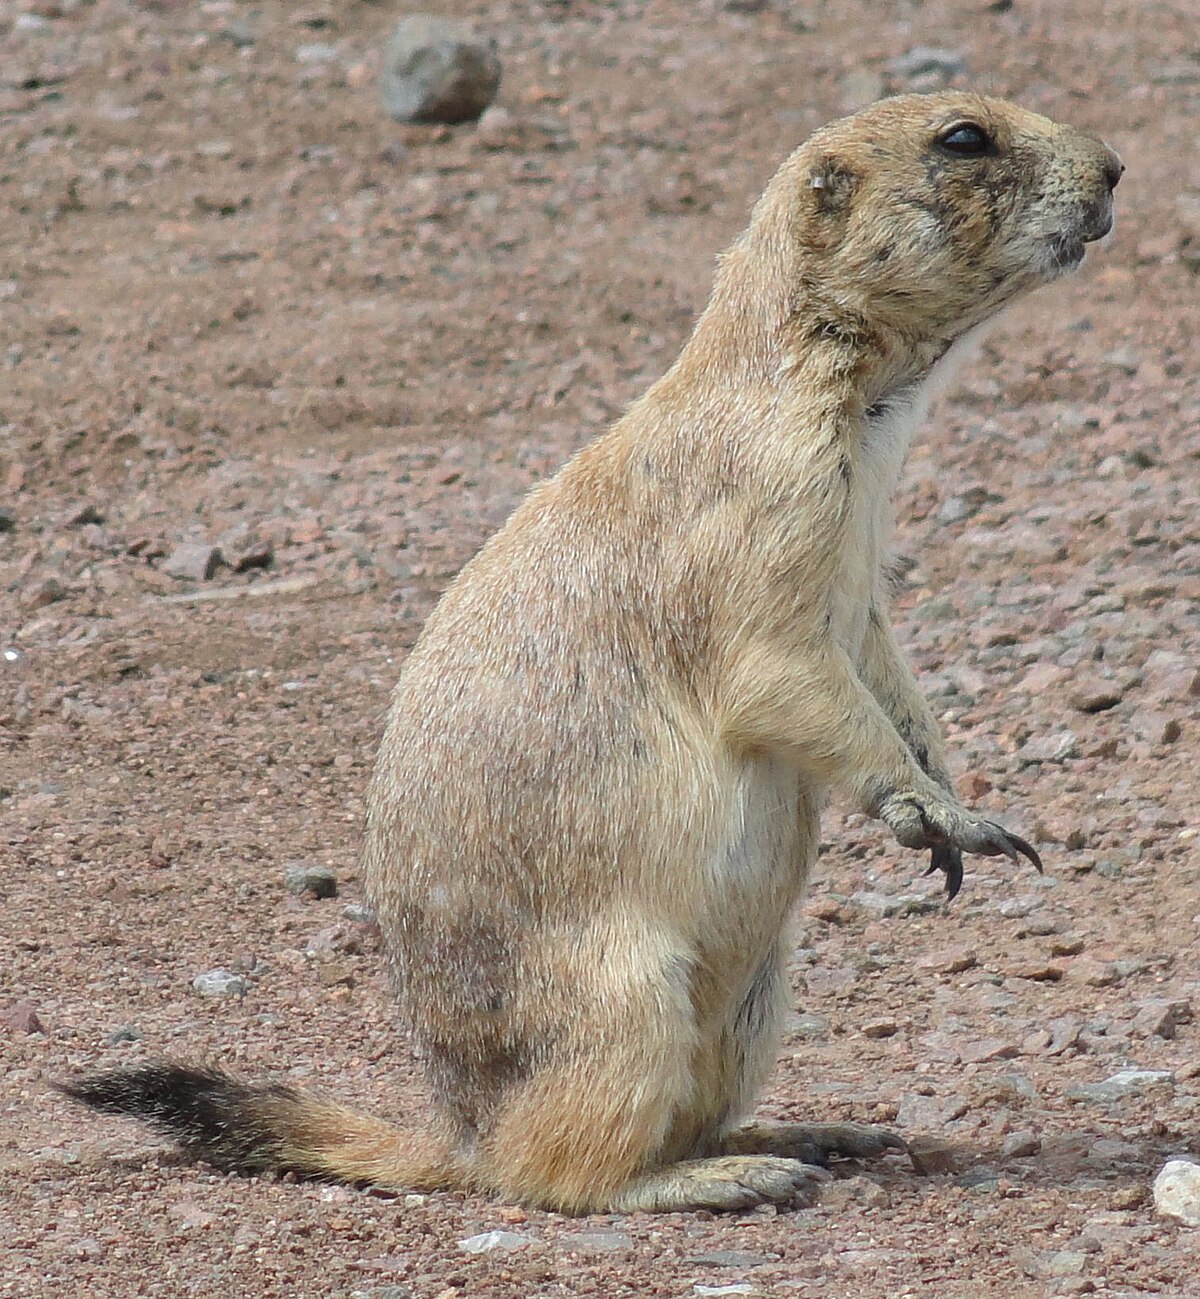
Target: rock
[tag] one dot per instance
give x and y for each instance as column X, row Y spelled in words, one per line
column 22, row 1018
column 241, row 35
column 1020, row 1145
column 932, row 1156
column 316, row 52
column 988, row 1048
column 824, row 983
column 1096, row 696
column 1062, row 1262
column 220, row 983
column 383, row 1292
column 929, row 1113
column 1160, row 1017
column 1037, row 971
column 334, row 940
column 828, row 910
column 1177, row 1192
column 489, row 1241
column 739, row 1287
column 1035, row 1042
column 437, row 70
column 598, row 1242
column 48, row 591
column 957, row 509
column 880, row 1028
column 900, row 904
column 192, row 560
column 1155, row 727
column 1049, row 748
column 309, row 878
column 500, row 129
column 189, row 1215
column 8, row 519
column 854, row 1193
column 980, row 1180
column 1128, row 1082
column 126, row 1033
column 926, row 68
column 815, row 1026
column 732, row 1258
column 1019, row 907
column 333, row 974
column 950, row 960
column 257, row 554
column 1065, row 1032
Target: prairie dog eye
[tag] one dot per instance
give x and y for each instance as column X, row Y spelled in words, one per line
column 966, row 140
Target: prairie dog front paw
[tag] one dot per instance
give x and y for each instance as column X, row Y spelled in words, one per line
column 949, row 830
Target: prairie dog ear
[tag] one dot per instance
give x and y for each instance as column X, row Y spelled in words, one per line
column 832, row 185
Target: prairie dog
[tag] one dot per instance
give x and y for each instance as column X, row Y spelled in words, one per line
column 598, row 793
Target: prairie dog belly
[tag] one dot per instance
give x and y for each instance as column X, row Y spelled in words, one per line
column 763, row 854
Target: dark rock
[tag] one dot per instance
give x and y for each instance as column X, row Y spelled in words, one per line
column 319, row 881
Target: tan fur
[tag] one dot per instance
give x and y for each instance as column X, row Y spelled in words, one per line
column 598, row 794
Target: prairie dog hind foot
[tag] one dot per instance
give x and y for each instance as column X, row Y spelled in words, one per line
column 727, row 1182
column 815, row 1143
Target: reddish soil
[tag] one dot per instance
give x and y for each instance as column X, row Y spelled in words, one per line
column 240, row 308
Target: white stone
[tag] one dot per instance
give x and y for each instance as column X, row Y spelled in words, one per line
column 487, row 1241
column 220, row 983
column 1177, row 1192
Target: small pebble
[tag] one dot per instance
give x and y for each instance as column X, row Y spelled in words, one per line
column 220, row 983
column 1021, row 1145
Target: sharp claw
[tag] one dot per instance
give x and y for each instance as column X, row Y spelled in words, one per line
column 1028, row 849
column 947, row 859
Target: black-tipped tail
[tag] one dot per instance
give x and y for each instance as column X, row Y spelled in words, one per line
column 249, row 1128
column 211, row 1114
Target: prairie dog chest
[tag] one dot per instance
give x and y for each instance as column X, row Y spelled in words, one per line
column 883, row 440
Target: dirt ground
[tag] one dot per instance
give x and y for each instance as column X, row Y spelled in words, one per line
column 241, row 310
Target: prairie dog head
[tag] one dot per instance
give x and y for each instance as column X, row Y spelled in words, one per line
column 928, row 213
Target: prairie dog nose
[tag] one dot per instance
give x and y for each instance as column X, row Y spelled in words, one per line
column 1114, row 169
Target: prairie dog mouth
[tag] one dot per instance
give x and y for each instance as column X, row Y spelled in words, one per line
column 1067, row 247
column 1066, row 251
